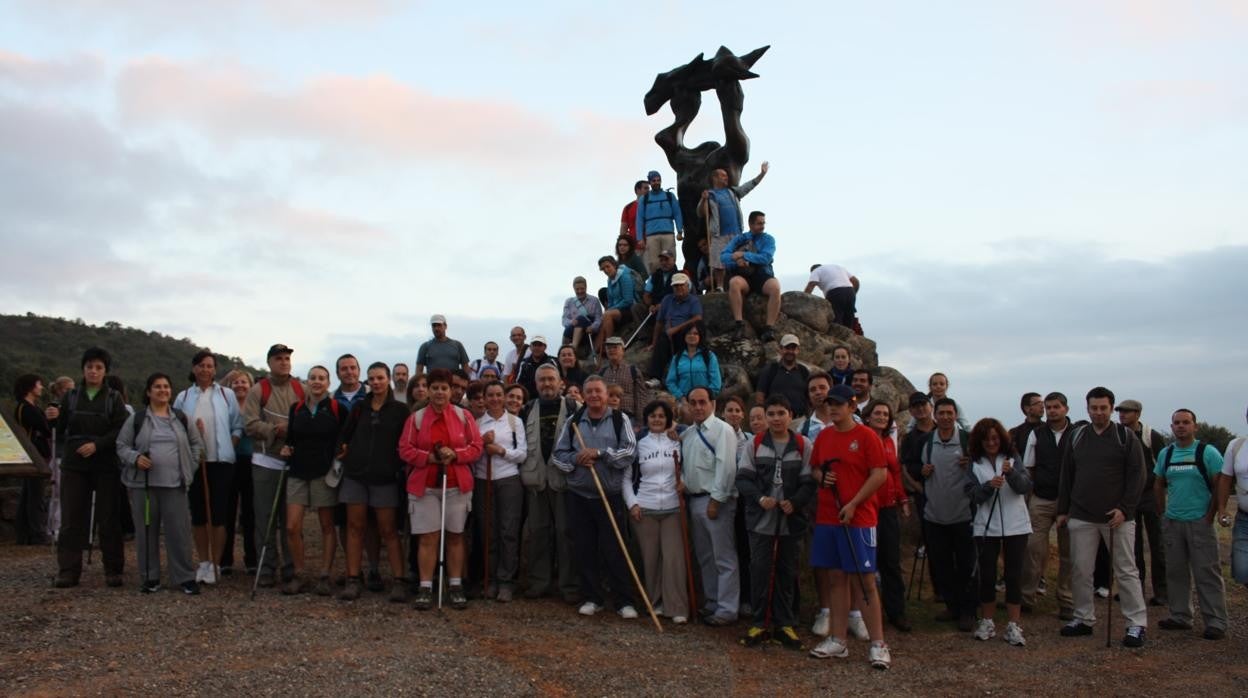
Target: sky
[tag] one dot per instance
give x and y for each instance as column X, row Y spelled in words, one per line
column 1036, row 196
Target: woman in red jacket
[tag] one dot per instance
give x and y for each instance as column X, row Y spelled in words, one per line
column 439, row 440
column 893, row 505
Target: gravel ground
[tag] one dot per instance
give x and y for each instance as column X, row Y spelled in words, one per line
column 95, row 640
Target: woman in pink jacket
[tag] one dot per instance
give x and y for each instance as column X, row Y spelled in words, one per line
column 440, row 441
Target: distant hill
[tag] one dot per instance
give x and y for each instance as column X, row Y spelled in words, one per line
column 51, row 347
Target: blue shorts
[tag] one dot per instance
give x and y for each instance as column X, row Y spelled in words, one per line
column 830, row 548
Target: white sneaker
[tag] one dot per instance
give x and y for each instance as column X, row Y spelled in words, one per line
column 679, row 620
column 1014, row 635
column 1000, row 587
column 627, row 613
column 879, row 656
column 1102, row 592
column 658, row 611
column 986, row 629
column 210, row 575
column 823, row 623
column 199, row 573
column 589, row 608
column 1042, row 588
column 829, row 648
column 858, row 628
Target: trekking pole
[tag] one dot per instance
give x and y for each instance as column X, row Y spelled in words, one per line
column 203, row 468
column 684, row 534
column 914, row 564
column 489, row 520
column 593, row 354
column 639, row 326
column 91, row 528
column 268, row 532
column 147, row 526
column 442, row 532
column 853, row 552
column 55, row 505
column 1109, row 608
column 616, row 527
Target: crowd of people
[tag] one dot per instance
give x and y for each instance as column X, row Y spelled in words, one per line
column 642, row 487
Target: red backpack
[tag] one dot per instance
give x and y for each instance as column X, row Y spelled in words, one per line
column 266, row 391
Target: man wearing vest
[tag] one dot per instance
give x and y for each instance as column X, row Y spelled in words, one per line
column 1186, row 471
column 87, row 426
column 1042, row 457
column 1102, row 477
column 548, row 546
column 721, row 207
column 658, row 217
column 709, row 471
column 266, row 412
column 603, row 440
column 947, row 516
column 441, row 351
column 1147, row 517
column 1032, row 406
column 1235, row 473
column 526, row 371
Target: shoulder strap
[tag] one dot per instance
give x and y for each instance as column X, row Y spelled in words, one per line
column 617, row 421
column 186, row 423
column 266, row 391
column 1077, row 435
column 1200, row 465
column 296, row 386
column 806, row 425
column 139, row 416
column 965, row 439
column 511, row 422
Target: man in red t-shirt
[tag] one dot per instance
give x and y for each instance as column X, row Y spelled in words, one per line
column 628, row 219
column 849, row 464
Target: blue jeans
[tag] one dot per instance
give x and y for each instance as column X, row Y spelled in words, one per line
column 1239, row 548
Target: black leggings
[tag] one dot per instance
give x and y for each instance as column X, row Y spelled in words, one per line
column 1015, row 548
column 221, row 487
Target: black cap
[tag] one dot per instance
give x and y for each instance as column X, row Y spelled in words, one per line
column 841, row 394
column 917, row 398
column 279, row 349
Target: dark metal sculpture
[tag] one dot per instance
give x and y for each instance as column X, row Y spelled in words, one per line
column 682, row 87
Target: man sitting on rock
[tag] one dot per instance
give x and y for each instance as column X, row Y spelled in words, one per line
column 747, row 261
column 839, row 287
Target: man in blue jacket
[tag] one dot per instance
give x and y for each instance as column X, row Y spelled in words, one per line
column 747, row 261
column 658, row 216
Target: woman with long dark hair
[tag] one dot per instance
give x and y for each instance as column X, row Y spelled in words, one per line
column 696, row 366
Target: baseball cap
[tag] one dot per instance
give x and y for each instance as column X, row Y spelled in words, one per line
column 652, row 174
column 437, row 320
column 279, row 349
column 614, row 341
column 680, row 278
column 667, row 253
column 539, row 339
column 788, row 339
column 1130, row 405
column 841, row 394
column 917, row 398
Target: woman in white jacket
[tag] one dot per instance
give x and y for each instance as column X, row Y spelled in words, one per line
column 654, row 506
column 1002, row 523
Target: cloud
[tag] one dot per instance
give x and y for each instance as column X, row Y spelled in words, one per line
column 159, row 19
column 377, row 114
column 37, row 75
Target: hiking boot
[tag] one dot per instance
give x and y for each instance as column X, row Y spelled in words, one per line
column 589, row 608
column 1042, row 588
column 190, row 588
column 113, row 580
column 718, row 621
column 351, row 591
column 823, row 623
column 738, row 330
column 65, row 580
column 754, row 637
column 627, row 612
column 322, row 586
column 398, row 591
column 505, row 594
column 459, row 601
column 1172, row 624
column 858, row 628
column 768, row 335
column 830, row 648
column 788, row 638
column 879, row 656
column 374, row 581
column 966, row 622
column 1214, row 634
column 1014, row 635
column 149, row 586
column 266, row 581
column 296, row 585
column 1134, row 636
column 1158, row 600
column 424, row 598
column 985, row 629
column 1076, row 629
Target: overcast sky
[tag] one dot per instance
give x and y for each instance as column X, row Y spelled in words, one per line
column 1036, row 196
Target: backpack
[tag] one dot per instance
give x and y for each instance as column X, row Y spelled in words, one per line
column 1119, row 430
column 647, row 200
column 140, row 416
column 1198, row 461
column 639, row 283
column 963, row 437
column 266, row 391
column 419, row 415
column 617, row 421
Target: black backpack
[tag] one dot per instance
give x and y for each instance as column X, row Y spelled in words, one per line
column 141, row 415
column 1198, row 461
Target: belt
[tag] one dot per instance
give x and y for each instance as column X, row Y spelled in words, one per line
column 695, row 495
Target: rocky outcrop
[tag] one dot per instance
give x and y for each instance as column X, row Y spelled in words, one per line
column 808, row 317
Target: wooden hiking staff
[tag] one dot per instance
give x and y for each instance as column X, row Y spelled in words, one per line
column 203, row 468
column 684, row 535
column 616, row 527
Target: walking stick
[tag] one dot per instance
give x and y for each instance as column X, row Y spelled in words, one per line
column 55, row 505
column 684, row 535
column 268, row 532
column 147, row 526
column 1109, row 608
column 616, row 527
column 442, row 532
column 639, row 326
column 489, row 519
column 91, row 527
column 914, row 564
column 203, row 468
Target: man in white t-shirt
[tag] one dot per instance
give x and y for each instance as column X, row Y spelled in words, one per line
column 839, row 287
column 1235, row 472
